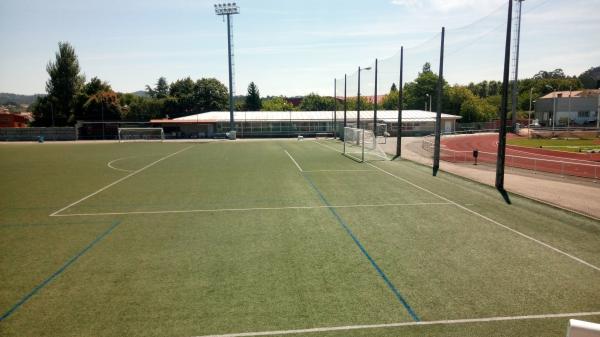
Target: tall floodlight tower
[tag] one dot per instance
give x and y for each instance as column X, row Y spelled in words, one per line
column 515, row 59
column 229, row 9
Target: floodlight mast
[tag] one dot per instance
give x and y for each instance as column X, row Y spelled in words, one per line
column 228, row 9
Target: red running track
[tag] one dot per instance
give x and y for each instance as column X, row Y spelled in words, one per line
column 460, row 149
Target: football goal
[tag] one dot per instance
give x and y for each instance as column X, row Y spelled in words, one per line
column 324, row 135
column 362, row 145
column 141, row 134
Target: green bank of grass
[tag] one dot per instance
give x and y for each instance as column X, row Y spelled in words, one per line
column 190, row 274
column 569, row 145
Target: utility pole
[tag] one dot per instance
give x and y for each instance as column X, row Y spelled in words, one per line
column 228, row 9
column 569, row 114
column 530, row 106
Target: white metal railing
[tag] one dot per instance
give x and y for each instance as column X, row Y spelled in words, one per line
column 564, row 168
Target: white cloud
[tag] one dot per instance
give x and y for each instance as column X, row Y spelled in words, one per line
column 450, row 5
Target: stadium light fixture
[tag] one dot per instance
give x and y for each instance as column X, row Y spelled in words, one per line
column 228, row 9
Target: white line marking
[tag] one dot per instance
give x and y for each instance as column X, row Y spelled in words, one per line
column 110, row 163
column 120, row 180
column 484, row 217
column 404, row 324
column 330, row 147
column 116, row 168
column 314, row 171
column 294, row 160
column 490, row 220
column 217, row 210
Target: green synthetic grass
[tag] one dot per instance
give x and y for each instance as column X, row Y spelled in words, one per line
column 569, row 145
column 276, row 267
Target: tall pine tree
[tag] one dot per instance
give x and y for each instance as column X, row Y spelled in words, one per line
column 63, row 85
column 253, row 102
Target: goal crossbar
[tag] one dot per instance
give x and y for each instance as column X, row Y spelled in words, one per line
column 141, row 134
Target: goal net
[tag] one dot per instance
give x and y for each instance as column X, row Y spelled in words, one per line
column 362, row 145
column 141, row 134
column 324, row 135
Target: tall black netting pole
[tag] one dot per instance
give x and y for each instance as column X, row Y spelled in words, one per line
column 345, row 101
column 375, row 102
column 400, row 99
column 438, row 116
column 334, row 126
column 504, row 106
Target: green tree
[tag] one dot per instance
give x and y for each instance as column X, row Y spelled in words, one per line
column 83, row 105
column 63, row 85
column 556, row 73
column 415, row 93
column 277, row 104
column 390, row 101
column 394, row 88
column 143, row 109
column 364, row 104
column 181, row 101
column 314, row 102
column 160, row 90
column 210, row 95
column 43, row 111
column 253, row 102
column 591, row 78
column 182, row 88
column 103, row 105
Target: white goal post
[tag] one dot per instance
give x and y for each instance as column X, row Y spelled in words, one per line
column 362, row 145
column 141, row 134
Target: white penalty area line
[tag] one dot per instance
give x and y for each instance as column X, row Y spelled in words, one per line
column 294, row 160
column 405, row 324
column 120, row 180
column 575, row 258
column 222, row 210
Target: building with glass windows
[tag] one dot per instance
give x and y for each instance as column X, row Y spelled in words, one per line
column 255, row 124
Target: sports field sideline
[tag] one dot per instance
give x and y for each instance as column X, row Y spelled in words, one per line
column 275, row 238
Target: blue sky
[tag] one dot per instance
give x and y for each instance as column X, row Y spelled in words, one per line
column 287, row 47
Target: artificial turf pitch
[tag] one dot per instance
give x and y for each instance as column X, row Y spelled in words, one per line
column 177, row 239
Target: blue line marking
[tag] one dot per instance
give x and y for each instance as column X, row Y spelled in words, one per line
column 58, row 272
column 387, row 281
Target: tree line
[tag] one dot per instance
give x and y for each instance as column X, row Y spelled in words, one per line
column 70, row 98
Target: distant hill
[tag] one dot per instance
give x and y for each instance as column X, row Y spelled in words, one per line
column 6, row 98
column 141, row 93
